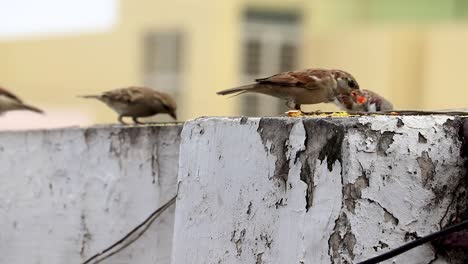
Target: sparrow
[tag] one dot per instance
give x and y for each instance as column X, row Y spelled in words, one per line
column 363, row 101
column 310, row 86
column 11, row 102
column 136, row 102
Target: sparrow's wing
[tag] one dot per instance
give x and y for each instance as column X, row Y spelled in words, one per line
column 125, row 95
column 309, row 79
column 284, row 79
column 6, row 93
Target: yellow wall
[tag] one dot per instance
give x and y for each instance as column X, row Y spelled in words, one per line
column 414, row 66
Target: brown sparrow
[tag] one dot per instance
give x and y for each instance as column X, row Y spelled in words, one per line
column 136, row 102
column 363, row 101
column 10, row 102
column 311, row 86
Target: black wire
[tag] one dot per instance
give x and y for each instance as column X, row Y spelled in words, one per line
column 417, row 242
column 159, row 210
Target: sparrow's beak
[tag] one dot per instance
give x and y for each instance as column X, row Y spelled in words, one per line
column 173, row 115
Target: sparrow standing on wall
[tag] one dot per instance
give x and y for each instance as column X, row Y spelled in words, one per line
column 311, row 86
column 363, row 101
column 136, row 102
column 11, row 102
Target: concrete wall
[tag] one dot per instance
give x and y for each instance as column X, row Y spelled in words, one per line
column 68, row 194
column 257, row 190
column 341, row 190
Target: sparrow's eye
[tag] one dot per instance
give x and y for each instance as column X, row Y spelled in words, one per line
column 352, row 84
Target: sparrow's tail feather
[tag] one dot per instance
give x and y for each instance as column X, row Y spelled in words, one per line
column 90, row 96
column 31, row 108
column 239, row 93
column 238, row 90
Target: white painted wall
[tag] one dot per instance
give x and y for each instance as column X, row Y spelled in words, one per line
column 67, row 194
column 270, row 190
column 340, row 190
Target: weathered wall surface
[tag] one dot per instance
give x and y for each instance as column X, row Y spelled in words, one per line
column 341, row 190
column 68, row 194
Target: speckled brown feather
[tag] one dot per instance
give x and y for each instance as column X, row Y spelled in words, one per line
column 137, row 102
column 310, row 86
column 306, row 79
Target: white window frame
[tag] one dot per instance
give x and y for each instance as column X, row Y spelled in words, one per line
column 271, row 36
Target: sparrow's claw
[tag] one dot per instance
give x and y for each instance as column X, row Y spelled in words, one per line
column 135, row 120
column 121, row 120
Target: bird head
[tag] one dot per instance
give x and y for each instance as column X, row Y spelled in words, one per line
column 356, row 100
column 173, row 114
column 359, row 97
column 345, row 81
column 168, row 104
column 170, row 107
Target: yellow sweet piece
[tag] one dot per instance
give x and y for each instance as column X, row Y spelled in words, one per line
column 331, row 114
column 294, row 113
column 340, row 114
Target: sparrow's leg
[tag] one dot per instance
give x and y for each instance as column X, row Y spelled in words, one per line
column 292, row 105
column 135, row 120
column 121, row 120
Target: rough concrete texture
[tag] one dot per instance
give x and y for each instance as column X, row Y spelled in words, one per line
column 67, row 194
column 305, row 190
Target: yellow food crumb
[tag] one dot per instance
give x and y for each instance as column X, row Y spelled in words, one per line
column 294, row 113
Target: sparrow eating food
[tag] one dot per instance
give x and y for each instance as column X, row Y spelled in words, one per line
column 11, row 102
column 136, row 102
column 363, row 101
column 311, row 86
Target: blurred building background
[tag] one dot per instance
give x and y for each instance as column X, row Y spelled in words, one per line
column 412, row 52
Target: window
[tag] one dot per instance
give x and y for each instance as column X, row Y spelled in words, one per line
column 252, row 57
column 287, row 57
column 163, row 61
column 270, row 45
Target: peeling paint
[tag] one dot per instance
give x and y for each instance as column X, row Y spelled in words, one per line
column 259, row 258
column 421, row 139
column 352, row 191
column 328, row 138
column 276, row 133
column 237, row 239
column 427, row 168
column 384, row 142
column 355, row 187
column 243, row 120
column 342, row 241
